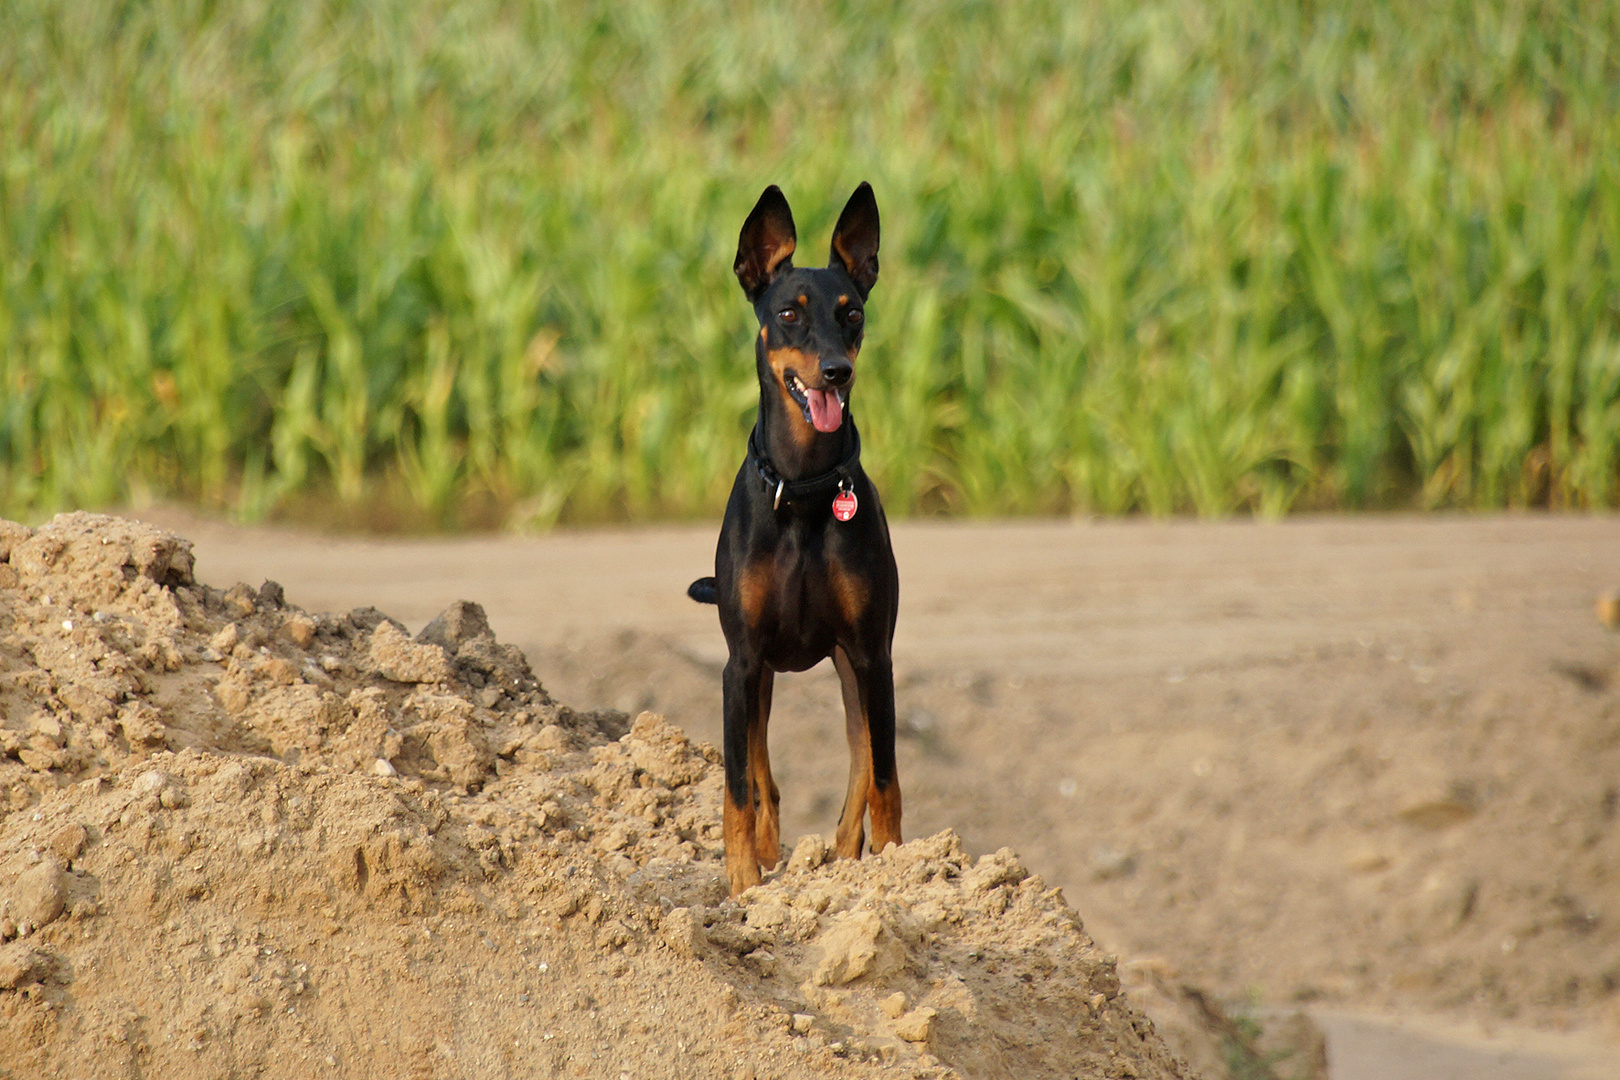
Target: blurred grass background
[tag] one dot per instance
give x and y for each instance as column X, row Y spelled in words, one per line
column 423, row 263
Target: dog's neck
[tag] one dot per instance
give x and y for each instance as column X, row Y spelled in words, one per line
column 797, row 450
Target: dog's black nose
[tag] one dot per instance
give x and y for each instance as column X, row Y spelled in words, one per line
column 837, row 372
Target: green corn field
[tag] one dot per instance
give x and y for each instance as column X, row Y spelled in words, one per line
column 441, row 263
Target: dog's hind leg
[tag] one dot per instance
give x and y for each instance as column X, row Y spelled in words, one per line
column 883, row 794
column 852, row 822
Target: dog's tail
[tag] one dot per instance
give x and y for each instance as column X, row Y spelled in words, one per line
column 704, row 591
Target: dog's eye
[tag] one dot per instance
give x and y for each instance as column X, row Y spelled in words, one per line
column 854, row 316
column 788, row 315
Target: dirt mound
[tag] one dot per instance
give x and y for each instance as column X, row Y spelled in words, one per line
column 242, row 839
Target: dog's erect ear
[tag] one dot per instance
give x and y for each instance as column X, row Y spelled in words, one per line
column 765, row 246
column 855, row 240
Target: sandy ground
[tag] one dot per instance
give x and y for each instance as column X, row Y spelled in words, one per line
column 240, row 838
column 1366, row 765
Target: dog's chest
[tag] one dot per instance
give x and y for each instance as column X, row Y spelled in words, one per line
column 797, row 613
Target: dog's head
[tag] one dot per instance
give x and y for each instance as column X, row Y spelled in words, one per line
column 810, row 321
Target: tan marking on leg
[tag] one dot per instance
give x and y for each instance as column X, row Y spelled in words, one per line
column 767, row 799
column 851, row 823
column 850, row 591
column 737, row 826
column 885, row 806
column 754, row 590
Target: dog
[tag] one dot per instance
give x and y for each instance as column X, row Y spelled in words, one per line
column 804, row 569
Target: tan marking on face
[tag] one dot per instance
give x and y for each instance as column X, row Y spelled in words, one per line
column 804, row 301
column 763, row 333
column 781, row 360
column 843, row 299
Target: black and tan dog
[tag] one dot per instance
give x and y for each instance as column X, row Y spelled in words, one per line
column 804, row 568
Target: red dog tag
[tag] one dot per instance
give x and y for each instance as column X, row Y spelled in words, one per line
column 844, row 505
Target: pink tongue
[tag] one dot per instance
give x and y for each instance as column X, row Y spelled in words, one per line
column 826, row 411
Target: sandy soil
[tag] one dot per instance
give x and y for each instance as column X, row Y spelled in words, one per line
column 1360, row 765
column 238, row 838
column 1365, row 763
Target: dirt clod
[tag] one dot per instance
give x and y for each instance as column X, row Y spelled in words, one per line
column 916, row 1025
column 22, row 964
column 394, row 656
column 39, row 895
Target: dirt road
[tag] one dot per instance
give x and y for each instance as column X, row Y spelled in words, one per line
column 1367, row 764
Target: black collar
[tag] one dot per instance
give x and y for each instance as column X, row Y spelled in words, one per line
column 840, row 476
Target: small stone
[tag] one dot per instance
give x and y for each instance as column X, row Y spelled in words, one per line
column 802, row 1022
column 395, row 656
column 1000, row 867
column 916, row 1025
column 550, row 737
column 767, row 916
column 240, row 598
column 300, row 628
column 810, row 852
column 40, row 894
column 857, row 944
column 460, row 622
column 68, row 841
column 281, row 671
column 383, row 767
column 682, row 931
column 46, row 726
column 22, row 964
column 151, row 782
column 142, row 725
column 38, row 760
column 895, row 1005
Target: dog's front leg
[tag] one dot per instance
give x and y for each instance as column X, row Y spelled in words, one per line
column 767, row 798
column 743, row 689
